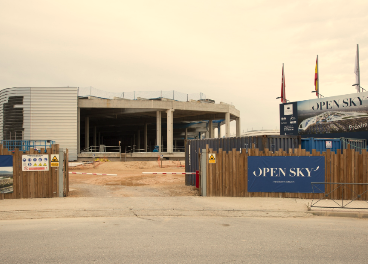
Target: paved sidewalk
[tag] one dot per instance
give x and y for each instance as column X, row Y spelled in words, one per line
column 146, row 207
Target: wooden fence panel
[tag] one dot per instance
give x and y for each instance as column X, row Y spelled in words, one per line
column 35, row 184
column 229, row 176
column 66, row 173
column 327, row 170
column 219, row 171
column 235, row 164
column 231, row 167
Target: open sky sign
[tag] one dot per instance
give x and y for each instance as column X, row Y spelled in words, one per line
column 285, row 174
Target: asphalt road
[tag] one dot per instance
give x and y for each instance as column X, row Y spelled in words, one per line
column 201, row 239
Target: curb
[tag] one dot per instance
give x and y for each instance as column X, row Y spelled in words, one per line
column 341, row 214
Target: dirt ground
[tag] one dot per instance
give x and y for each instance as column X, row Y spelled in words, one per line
column 129, row 181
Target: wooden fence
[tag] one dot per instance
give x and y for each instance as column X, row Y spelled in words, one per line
column 229, row 175
column 36, row 184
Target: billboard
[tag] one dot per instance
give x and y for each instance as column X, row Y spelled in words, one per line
column 289, row 119
column 337, row 114
column 285, row 174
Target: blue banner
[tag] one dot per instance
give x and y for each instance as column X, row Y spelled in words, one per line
column 285, row 174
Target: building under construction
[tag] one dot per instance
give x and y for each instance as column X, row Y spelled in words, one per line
column 91, row 123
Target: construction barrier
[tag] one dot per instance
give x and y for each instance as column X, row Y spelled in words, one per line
column 168, row 172
column 92, row 173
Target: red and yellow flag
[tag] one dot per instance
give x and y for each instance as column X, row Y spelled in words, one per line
column 316, row 80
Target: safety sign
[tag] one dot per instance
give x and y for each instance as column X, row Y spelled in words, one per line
column 54, row 160
column 211, row 158
column 35, row 162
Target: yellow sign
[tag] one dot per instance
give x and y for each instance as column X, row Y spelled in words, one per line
column 54, row 160
column 211, row 158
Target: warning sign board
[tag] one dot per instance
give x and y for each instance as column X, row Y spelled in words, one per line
column 37, row 162
column 211, row 158
column 54, row 160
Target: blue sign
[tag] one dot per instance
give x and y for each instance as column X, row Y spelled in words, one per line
column 6, row 174
column 6, row 161
column 285, row 174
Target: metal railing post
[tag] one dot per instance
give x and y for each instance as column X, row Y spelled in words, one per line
column 342, row 197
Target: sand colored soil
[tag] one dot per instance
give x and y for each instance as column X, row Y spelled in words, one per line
column 129, row 181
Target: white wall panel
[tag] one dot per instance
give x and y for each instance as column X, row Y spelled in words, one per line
column 49, row 113
column 54, row 116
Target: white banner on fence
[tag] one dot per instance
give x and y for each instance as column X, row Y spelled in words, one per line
column 35, row 162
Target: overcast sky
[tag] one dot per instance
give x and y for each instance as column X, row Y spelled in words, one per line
column 232, row 51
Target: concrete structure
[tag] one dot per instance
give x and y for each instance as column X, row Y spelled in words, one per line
column 92, row 126
column 165, row 123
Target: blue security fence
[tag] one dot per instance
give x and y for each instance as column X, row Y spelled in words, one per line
column 26, row 145
column 319, row 144
column 322, row 144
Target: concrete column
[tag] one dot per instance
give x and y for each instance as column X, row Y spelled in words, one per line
column 227, row 125
column 238, row 126
column 145, row 137
column 95, row 137
column 138, row 139
column 78, row 130
column 158, row 130
column 86, row 124
column 186, row 133
column 211, row 129
column 219, row 130
column 170, row 130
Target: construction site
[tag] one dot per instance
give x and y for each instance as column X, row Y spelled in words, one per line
column 91, row 123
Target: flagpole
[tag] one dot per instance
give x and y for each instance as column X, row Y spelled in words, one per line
column 283, row 83
column 317, row 77
column 358, row 67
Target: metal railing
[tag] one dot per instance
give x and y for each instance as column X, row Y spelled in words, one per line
column 338, row 193
column 136, row 95
column 356, row 144
column 103, row 148
column 26, row 145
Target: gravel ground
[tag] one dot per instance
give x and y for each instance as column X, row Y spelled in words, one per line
column 129, row 181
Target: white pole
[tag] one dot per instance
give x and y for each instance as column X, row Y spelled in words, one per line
column 168, row 173
column 90, row 173
column 358, row 67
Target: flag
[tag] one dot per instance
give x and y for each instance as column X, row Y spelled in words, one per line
column 316, row 79
column 356, row 71
column 283, row 94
